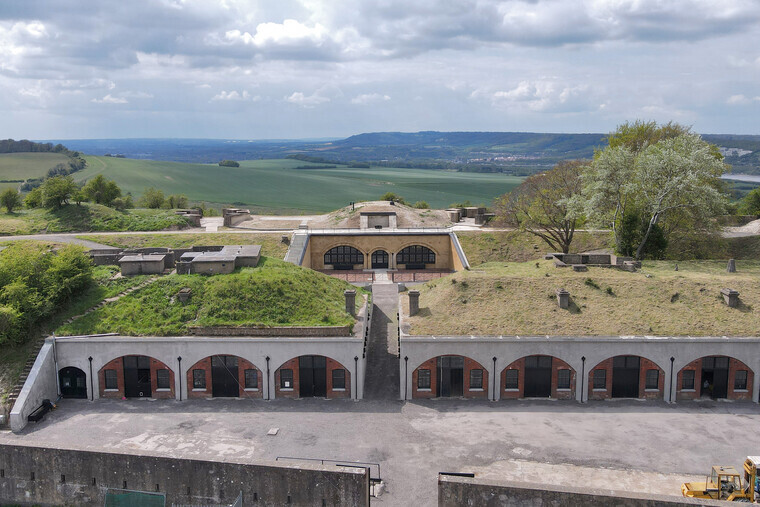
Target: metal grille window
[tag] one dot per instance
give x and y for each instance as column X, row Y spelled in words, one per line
column 476, row 379
column 111, row 382
column 538, row 362
column 740, row 380
column 715, row 363
column 344, row 255
column 162, row 379
column 511, row 380
column 286, row 378
column 416, row 254
column 251, row 379
column 653, row 379
column 199, row 379
column 563, row 379
column 339, row 378
column 628, row 362
column 687, row 379
column 600, row 379
column 423, row 379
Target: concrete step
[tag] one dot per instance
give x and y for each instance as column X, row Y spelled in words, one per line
column 297, row 246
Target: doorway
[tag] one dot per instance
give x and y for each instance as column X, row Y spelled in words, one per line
column 625, row 376
column 380, row 259
column 714, row 381
column 312, row 376
column 538, row 377
column 450, row 377
column 73, row 382
column 137, row 377
column 224, row 377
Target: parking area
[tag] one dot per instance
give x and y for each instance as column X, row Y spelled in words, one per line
column 413, row 441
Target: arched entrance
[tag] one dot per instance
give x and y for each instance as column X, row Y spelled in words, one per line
column 538, row 376
column 626, row 376
column 379, row 259
column 73, row 382
column 450, row 376
column 224, row 377
column 312, row 376
column 137, row 377
column 716, row 377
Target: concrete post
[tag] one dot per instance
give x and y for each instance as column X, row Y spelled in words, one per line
column 414, row 302
column 563, row 298
column 350, row 301
column 731, row 297
column 731, row 268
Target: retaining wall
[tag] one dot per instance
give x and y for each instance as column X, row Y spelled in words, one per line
column 36, row 475
column 43, row 387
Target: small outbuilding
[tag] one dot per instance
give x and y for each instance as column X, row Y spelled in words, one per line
column 142, row 264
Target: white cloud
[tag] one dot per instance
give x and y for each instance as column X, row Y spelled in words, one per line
column 307, row 100
column 110, row 99
column 288, row 33
column 369, row 98
column 739, row 100
column 234, row 95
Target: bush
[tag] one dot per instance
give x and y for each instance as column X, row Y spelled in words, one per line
column 34, row 198
column 750, row 204
column 421, row 205
column 390, row 196
column 101, row 191
column 153, row 198
column 229, row 163
column 176, row 201
column 11, row 199
column 57, row 191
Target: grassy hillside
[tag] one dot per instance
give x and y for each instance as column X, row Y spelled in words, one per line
column 519, row 299
column 87, row 217
column 22, row 166
column 277, row 185
column 275, row 293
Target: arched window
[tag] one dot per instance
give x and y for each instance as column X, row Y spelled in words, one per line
column 415, row 256
column 343, row 257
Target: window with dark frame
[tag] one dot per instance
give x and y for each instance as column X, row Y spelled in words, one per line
column 600, row 379
column 687, row 379
column 423, row 379
column 286, row 378
column 563, row 379
column 415, row 254
column 652, row 379
column 162, row 379
column 199, row 379
column 740, row 380
column 339, row 378
column 111, row 381
column 511, row 379
column 476, row 378
column 344, row 256
column 251, row 379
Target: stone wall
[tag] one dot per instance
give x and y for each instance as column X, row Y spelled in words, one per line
column 290, row 331
column 36, row 475
column 45, row 386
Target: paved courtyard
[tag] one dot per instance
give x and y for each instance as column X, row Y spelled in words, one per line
column 413, row 441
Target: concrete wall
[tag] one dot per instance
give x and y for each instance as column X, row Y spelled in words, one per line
column 35, row 475
column 41, row 384
column 457, row 491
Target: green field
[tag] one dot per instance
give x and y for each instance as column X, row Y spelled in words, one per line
column 21, row 166
column 277, row 185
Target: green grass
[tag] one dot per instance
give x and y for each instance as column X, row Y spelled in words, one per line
column 277, row 185
column 519, row 299
column 88, row 217
column 275, row 293
column 22, row 166
column 271, row 246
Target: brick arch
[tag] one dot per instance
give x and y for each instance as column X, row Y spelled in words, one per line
column 645, row 364
column 346, row 245
column 432, row 365
column 117, row 364
column 556, row 392
column 734, row 365
column 294, row 391
column 206, row 392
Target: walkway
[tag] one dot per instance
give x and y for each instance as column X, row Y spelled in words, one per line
column 382, row 378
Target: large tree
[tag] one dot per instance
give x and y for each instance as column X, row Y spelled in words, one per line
column 11, row 199
column 667, row 176
column 57, row 191
column 101, row 191
column 541, row 205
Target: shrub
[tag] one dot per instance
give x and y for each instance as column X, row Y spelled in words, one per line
column 34, row 198
column 421, row 205
column 390, row 196
column 153, row 198
column 229, row 163
column 11, row 199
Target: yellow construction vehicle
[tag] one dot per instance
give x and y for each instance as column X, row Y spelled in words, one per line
column 725, row 483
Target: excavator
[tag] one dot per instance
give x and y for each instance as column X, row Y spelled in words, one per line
column 725, row 483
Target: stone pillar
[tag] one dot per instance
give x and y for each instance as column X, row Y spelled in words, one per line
column 414, row 302
column 731, row 297
column 563, row 299
column 350, row 301
column 731, row 268
column 285, row 239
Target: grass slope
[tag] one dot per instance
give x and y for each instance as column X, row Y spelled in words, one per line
column 22, row 166
column 519, row 299
column 275, row 293
column 276, row 184
column 88, row 217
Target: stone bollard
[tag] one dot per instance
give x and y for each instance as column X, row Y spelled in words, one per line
column 285, row 239
column 350, row 301
column 563, row 298
column 414, row 302
column 184, row 294
column 731, row 268
column 731, row 297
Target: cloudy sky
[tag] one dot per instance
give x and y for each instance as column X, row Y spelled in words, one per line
column 307, row 68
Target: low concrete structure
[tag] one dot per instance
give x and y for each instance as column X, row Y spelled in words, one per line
column 377, row 219
column 731, row 297
column 562, row 260
column 414, row 302
column 192, row 215
column 563, row 299
column 234, row 216
column 223, row 261
column 142, row 264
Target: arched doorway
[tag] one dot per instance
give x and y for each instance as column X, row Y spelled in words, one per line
column 73, row 382
column 415, row 257
column 312, row 376
column 625, row 376
column 538, row 376
column 137, row 377
column 343, row 258
column 224, row 377
column 716, row 377
column 450, row 376
column 379, row 259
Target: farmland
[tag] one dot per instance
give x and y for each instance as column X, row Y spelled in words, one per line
column 20, row 166
column 278, row 186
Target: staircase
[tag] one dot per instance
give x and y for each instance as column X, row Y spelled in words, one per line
column 297, row 247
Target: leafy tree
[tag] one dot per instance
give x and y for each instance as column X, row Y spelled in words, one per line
column 176, row 201
column 750, row 204
column 11, row 199
column 34, row 198
column 390, row 196
column 229, row 163
column 421, row 205
column 541, row 205
column 57, row 191
column 101, row 191
column 153, row 198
